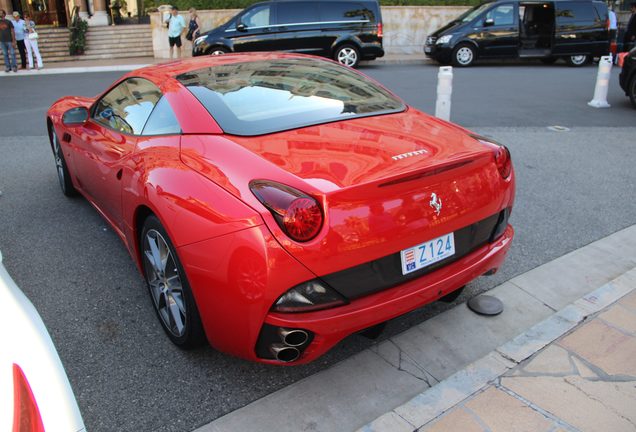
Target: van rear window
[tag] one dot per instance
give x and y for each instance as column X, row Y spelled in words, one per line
column 267, row 96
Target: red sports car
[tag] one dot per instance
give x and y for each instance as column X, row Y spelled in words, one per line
column 277, row 203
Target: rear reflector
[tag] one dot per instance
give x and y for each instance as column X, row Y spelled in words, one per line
column 26, row 415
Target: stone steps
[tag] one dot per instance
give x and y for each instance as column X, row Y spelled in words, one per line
column 102, row 43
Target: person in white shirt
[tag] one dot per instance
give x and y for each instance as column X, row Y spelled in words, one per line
column 613, row 27
column 31, row 42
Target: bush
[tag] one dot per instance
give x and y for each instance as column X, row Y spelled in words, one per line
column 184, row 5
column 77, row 37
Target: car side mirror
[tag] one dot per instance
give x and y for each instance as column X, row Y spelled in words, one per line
column 75, row 116
column 488, row 22
column 241, row 27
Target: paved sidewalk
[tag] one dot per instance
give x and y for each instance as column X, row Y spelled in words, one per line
column 413, row 379
column 582, row 381
column 128, row 64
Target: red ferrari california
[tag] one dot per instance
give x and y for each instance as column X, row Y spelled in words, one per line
column 278, row 203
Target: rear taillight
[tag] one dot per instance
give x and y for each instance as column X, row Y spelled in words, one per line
column 503, row 161
column 380, row 33
column 298, row 214
column 26, row 415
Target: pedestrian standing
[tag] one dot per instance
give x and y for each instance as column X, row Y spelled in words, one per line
column 613, row 27
column 194, row 26
column 176, row 26
column 18, row 28
column 31, row 42
column 7, row 40
column 630, row 31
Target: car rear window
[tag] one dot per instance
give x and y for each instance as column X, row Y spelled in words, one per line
column 267, row 96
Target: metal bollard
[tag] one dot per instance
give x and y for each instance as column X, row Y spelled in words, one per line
column 444, row 91
column 602, row 83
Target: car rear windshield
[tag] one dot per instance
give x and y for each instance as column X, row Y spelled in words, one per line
column 260, row 97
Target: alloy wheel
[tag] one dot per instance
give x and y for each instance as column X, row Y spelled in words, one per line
column 347, row 56
column 59, row 163
column 164, row 282
column 218, row 52
column 578, row 60
column 464, row 56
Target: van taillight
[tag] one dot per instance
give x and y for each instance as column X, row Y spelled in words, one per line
column 380, row 34
column 26, row 415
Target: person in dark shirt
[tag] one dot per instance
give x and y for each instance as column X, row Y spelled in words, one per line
column 7, row 40
column 630, row 32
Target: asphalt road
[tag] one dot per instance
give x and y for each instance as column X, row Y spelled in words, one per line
column 573, row 187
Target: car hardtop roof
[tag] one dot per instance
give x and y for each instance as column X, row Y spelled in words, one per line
column 541, row 1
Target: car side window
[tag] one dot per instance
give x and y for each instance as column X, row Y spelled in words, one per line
column 126, row 107
column 501, row 15
column 297, row 13
column 344, row 11
column 162, row 121
column 257, row 17
column 571, row 12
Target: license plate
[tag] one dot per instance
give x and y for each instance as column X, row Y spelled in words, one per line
column 428, row 49
column 427, row 253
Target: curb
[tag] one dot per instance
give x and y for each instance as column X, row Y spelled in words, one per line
column 400, row 60
column 433, row 402
column 74, row 69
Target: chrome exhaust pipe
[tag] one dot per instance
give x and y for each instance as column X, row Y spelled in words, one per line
column 293, row 338
column 285, row 353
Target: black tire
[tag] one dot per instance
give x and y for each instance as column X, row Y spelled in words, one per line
column 631, row 90
column 549, row 60
column 577, row 60
column 169, row 287
column 219, row 50
column 63, row 175
column 452, row 296
column 464, row 55
column 347, row 55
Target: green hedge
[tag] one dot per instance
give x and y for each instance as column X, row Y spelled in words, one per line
column 184, row 5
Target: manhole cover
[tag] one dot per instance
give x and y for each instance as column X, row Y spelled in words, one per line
column 558, row 128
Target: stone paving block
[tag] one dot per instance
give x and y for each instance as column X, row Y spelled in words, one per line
column 542, row 334
column 428, row 405
column 629, row 300
column 562, row 398
column 501, row 412
column 620, row 317
column 389, row 422
column 553, row 360
column 582, row 369
column 603, row 346
column 456, row 420
column 568, row 278
column 450, row 341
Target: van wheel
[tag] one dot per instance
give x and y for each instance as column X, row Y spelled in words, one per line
column 464, row 55
column 631, row 90
column 549, row 60
column 218, row 51
column 577, row 60
column 347, row 55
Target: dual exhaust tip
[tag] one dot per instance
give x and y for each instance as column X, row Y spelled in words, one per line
column 288, row 350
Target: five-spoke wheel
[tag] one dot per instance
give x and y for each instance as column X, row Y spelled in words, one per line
column 63, row 176
column 169, row 287
column 347, row 55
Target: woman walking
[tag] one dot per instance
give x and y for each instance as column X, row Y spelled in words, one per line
column 194, row 26
column 31, row 42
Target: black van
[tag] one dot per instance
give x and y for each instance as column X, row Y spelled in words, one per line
column 347, row 31
column 575, row 30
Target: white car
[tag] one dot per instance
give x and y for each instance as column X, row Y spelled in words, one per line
column 40, row 398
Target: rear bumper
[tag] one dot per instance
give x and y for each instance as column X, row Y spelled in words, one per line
column 332, row 325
